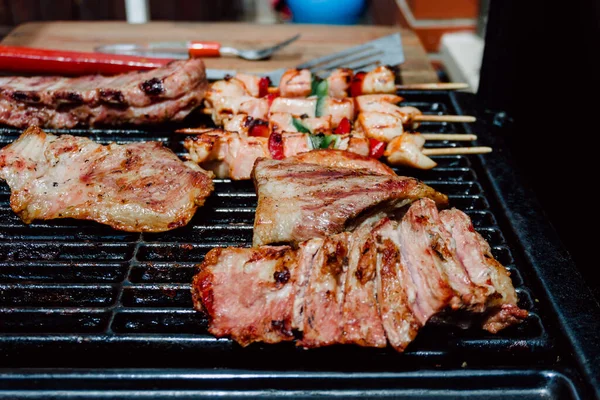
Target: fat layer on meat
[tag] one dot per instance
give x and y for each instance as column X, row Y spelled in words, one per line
column 248, row 293
column 380, row 283
column 298, row 201
column 134, row 187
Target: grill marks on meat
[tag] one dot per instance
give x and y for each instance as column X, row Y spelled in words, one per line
column 135, row 187
column 378, row 284
column 485, row 271
column 396, row 291
column 361, row 320
column 249, row 293
column 159, row 95
column 297, row 201
column 325, row 293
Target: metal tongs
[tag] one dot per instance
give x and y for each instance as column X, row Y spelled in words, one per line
column 187, row 49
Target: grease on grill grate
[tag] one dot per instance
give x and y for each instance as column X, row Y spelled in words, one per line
column 78, row 278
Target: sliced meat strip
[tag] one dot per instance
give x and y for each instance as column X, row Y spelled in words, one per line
column 361, row 318
column 443, row 251
column 485, row 271
column 396, row 292
column 433, row 291
column 325, row 294
column 306, row 259
column 248, row 293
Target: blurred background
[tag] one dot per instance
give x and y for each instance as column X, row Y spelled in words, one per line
column 450, row 31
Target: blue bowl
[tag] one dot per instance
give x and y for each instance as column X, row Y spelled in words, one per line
column 334, row 12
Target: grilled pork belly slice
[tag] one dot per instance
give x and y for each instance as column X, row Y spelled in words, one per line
column 138, row 89
column 22, row 115
column 396, row 291
column 299, row 201
column 324, row 296
column 248, row 293
column 484, row 271
column 380, row 283
column 361, row 320
column 135, row 187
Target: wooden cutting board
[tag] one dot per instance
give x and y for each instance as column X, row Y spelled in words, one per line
column 316, row 41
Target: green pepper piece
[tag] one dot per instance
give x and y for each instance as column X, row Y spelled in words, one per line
column 300, row 126
column 317, row 140
column 314, row 84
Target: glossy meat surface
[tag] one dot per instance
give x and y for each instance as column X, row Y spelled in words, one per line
column 136, row 187
column 375, row 285
column 298, row 201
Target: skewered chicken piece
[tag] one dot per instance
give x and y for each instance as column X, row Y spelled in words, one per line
column 284, row 135
column 232, row 154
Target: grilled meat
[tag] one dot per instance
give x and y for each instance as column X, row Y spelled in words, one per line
column 232, row 154
column 248, row 293
column 343, row 159
column 298, row 201
column 324, row 298
column 380, row 283
column 361, row 317
column 226, row 154
column 135, row 187
column 136, row 89
column 484, row 271
column 160, row 95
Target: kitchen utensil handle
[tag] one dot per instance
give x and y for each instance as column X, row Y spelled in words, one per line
column 204, row 49
column 59, row 62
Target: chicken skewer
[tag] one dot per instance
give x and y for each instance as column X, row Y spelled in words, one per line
column 298, row 96
column 342, row 82
column 231, row 153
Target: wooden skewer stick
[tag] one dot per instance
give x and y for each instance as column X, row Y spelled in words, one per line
column 457, row 151
column 414, row 86
column 434, row 86
column 459, row 137
column 443, row 118
column 416, row 118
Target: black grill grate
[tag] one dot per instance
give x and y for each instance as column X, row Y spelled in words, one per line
column 77, row 289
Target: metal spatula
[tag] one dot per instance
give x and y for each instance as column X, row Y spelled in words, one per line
column 386, row 50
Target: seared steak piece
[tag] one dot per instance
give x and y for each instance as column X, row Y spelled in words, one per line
column 135, row 187
column 156, row 96
column 299, row 201
column 325, row 293
column 22, row 115
column 361, row 318
column 378, row 284
column 396, row 291
column 138, row 89
column 485, row 271
column 248, row 293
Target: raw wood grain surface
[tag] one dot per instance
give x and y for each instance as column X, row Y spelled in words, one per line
column 316, row 41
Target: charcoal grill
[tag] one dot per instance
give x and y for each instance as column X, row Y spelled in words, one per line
column 90, row 312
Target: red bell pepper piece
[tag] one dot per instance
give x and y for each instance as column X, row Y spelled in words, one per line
column 377, row 148
column 271, row 97
column 357, row 84
column 344, row 127
column 263, row 86
column 276, row 146
column 260, row 128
